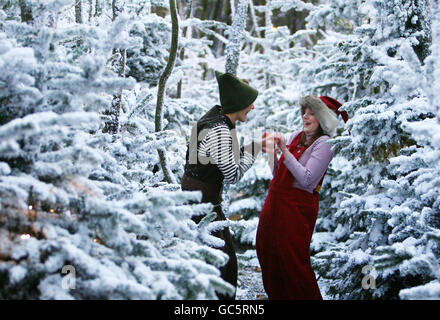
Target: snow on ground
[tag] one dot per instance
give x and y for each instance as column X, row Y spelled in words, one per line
column 250, row 284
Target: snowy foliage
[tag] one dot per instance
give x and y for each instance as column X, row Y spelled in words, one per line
column 71, row 195
column 380, row 193
column 74, row 196
column 380, row 197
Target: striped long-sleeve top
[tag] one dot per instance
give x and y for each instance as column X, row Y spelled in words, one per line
column 214, row 155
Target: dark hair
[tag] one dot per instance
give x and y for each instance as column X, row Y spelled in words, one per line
column 319, row 133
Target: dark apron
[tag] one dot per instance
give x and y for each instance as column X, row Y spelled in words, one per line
column 212, row 193
column 284, row 234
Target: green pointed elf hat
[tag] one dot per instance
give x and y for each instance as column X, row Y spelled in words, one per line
column 235, row 94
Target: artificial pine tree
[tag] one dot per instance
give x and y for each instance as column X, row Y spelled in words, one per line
column 374, row 203
column 370, row 57
column 72, row 196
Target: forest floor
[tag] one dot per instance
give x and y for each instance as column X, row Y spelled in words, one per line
column 250, row 283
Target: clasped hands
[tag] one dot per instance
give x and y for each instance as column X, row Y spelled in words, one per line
column 271, row 140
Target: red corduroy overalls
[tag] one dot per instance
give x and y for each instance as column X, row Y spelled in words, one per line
column 284, row 233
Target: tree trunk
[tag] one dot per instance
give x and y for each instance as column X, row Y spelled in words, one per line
column 218, row 9
column 112, row 125
column 90, row 10
column 78, row 11
column 232, row 6
column 236, row 37
column 268, row 25
column 25, row 11
column 256, row 26
column 98, row 9
column 188, row 34
column 161, row 89
column 78, row 19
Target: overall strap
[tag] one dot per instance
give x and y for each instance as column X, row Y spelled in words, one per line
column 319, row 186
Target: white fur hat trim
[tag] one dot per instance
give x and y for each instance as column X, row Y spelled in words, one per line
column 327, row 118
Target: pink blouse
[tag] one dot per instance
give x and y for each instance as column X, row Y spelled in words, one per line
column 312, row 164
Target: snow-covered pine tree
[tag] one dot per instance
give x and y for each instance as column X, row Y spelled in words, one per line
column 418, row 179
column 339, row 65
column 145, row 63
column 71, row 196
column 382, row 215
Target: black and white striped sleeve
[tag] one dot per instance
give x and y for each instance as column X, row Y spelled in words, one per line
column 232, row 163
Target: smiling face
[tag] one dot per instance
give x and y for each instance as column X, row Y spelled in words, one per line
column 310, row 122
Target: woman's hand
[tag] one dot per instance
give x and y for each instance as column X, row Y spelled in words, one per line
column 280, row 141
column 268, row 145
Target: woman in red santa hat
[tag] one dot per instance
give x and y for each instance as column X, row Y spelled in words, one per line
column 289, row 213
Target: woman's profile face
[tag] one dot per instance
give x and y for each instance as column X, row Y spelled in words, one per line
column 310, row 122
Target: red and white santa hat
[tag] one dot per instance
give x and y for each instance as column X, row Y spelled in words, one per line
column 326, row 109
